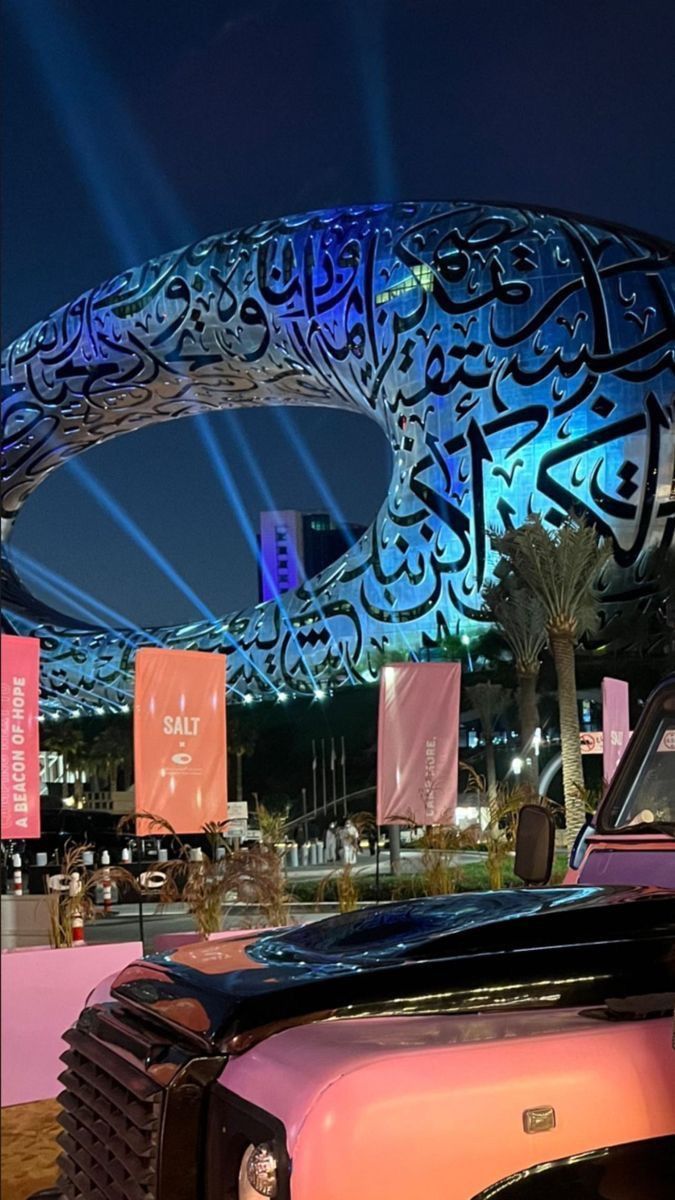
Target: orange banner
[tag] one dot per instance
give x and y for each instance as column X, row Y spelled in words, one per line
column 180, row 747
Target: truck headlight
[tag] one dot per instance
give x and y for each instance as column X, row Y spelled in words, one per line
column 258, row 1173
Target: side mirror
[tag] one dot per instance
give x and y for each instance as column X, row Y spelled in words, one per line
column 535, row 843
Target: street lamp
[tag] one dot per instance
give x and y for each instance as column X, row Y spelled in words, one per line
column 466, row 641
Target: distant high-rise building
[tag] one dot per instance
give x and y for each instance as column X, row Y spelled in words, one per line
column 295, row 546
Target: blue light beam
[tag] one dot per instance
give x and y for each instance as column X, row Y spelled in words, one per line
column 121, row 517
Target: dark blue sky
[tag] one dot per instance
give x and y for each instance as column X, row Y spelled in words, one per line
column 130, row 128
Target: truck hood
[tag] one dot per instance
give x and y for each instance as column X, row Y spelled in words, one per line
column 529, row 948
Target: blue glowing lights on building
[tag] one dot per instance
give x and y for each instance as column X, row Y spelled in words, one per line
column 517, row 360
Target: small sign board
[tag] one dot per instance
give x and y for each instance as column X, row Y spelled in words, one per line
column 591, row 741
column 237, row 819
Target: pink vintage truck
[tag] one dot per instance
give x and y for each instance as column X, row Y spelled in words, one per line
column 514, row 1044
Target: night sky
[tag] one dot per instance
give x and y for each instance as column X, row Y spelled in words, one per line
column 131, row 128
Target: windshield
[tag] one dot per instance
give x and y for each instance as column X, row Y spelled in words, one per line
column 646, row 797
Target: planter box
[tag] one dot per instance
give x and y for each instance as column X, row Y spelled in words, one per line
column 43, row 990
column 25, row 921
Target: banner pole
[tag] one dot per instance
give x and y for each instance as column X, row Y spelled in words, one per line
column 333, row 775
column 305, row 824
column 344, row 774
column 323, row 775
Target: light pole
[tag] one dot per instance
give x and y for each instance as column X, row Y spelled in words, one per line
column 466, row 641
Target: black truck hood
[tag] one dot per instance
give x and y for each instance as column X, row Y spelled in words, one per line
column 528, row 948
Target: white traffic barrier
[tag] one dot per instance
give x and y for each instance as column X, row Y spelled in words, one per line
column 152, row 881
column 58, row 883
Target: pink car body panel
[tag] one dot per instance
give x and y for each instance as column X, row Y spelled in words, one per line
column 351, row 1093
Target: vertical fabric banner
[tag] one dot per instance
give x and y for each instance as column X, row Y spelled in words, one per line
column 418, row 743
column 20, row 737
column 180, row 748
column 615, row 725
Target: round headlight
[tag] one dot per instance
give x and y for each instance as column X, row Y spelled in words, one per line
column 258, row 1173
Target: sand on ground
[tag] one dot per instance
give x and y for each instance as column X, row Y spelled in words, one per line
column 29, row 1149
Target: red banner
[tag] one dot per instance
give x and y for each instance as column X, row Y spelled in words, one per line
column 180, row 749
column 615, row 725
column 418, row 742
column 20, row 737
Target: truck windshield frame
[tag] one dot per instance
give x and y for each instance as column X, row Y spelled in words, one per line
column 641, row 797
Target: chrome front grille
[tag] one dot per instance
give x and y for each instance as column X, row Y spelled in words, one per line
column 111, row 1115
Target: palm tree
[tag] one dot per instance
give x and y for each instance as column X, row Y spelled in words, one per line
column 68, row 741
column 520, row 619
column 559, row 568
column 489, row 700
column 382, row 657
column 241, row 743
column 111, row 749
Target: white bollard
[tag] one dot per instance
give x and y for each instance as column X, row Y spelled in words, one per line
column 313, row 856
column 293, row 855
column 126, row 855
column 162, row 854
column 17, row 877
column 75, row 889
column 319, row 853
column 41, row 859
column 196, row 854
column 107, row 883
column 87, row 858
column 304, row 853
column 220, row 853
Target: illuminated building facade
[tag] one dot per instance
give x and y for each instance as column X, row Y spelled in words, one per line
column 517, row 360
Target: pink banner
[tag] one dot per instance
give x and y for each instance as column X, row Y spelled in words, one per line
column 20, row 737
column 418, row 743
column 179, row 738
column 615, row 725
